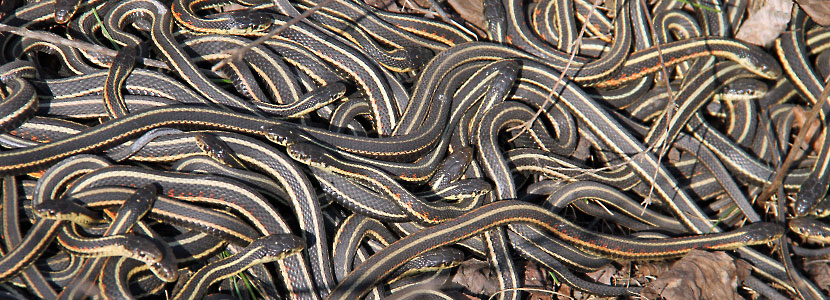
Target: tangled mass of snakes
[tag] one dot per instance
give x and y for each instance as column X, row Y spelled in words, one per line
column 339, row 149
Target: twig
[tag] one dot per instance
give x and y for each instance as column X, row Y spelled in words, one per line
column 441, row 13
column 795, row 151
column 526, row 125
column 667, row 112
column 549, row 99
column 238, row 53
column 54, row 38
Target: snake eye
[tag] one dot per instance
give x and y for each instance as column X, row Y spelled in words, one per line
column 45, row 211
column 61, row 16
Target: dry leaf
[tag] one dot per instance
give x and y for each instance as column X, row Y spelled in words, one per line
column 652, row 269
column 564, row 292
column 819, row 271
column 817, row 140
column 818, row 10
column 535, row 278
column 604, row 275
column 763, row 26
column 471, row 10
column 475, row 276
column 700, row 275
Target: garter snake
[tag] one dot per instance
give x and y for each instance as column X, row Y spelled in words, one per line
column 810, row 230
column 403, row 142
column 65, row 9
column 136, row 247
column 265, row 249
column 421, row 170
column 21, row 102
column 35, row 280
column 278, row 167
column 387, row 260
column 162, row 36
column 105, row 284
column 422, row 211
column 184, row 11
column 130, row 212
column 188, row 247
column 275, row 74
column 176, row 212
column 791, row 48
column 355, row 229
column 218, row 150
column 579, row 190
column 45, row 230
column 120, row 69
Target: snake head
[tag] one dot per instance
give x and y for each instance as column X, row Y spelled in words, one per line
column 164, row 271
column 61, row 16
column 759, row 62
column 333, row 91
column 66, row 210
column 808, row 196
column 744, row 88
column 142, row 248
column 147, row 250
column 300, row 152
column 278, row 246
column 282, row 135
column 800, row 226
column 821, row 210
column 47, row 210
column 309, row 154
column 248, row 22
column 65, row 9
column 761, row 233
column 811, row 230
column 142, row 200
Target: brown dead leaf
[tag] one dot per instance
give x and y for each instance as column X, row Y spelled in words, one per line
column 604, row 275
column 700, row 275
column 471, row 10
column 475, row 276
column 535, row 278
column 764, row 25
column 424, row 4
column 817, row 140
column 818, row 10
column 389, row 5
column 564, row 292
column 652, row 269
column 819, row 271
